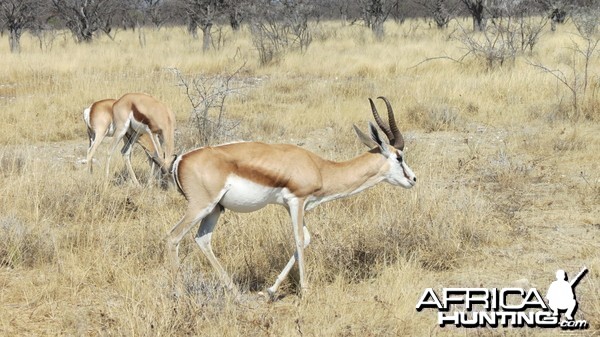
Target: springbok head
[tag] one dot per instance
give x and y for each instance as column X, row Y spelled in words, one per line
column 397, row 171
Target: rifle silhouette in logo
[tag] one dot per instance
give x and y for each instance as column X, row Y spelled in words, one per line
column 561, row 293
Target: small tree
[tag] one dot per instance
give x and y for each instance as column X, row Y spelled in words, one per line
column 556, row 11
column 513, row 30
column 279, row 28
column 477, row 10
column 141, row 13
column 374, row 13
column 17, row 16
column 577, row 79
column 441, row 11
column 84, row 18
column 202, row 14
column 152, row 11
column 236, row 11
column 207, row 96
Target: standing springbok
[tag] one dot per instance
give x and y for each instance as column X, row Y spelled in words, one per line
column 98, row 119
column 143, row 114
column 245, row 177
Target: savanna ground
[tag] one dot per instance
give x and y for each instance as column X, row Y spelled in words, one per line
column 508, row 186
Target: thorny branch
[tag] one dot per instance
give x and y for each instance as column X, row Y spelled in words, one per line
column 207, row 96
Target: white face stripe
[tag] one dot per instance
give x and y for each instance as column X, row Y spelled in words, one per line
column 403, row 165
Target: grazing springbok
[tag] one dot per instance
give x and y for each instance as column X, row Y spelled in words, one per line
column 98, row 119
column 246, row 176
column 141, row 114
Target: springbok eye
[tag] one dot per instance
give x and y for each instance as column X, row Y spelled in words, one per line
column 399, row 158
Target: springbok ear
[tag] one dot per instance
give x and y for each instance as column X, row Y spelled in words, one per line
column 375, row 137
column 370, row 143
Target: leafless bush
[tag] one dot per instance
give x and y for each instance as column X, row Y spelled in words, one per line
column 512, row 30
column 586, row 21
column 46, row 36
column 207, row 95
column 529, row 30
column 581, row 84
column 503, row 39
column 219, row 39
column 280, row 29
column 86, row 18
column 441, row 11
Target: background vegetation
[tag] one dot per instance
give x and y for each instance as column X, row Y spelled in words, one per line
column 508, row 191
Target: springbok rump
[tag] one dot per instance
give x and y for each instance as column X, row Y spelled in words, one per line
column 98, row 118
column 140, row 114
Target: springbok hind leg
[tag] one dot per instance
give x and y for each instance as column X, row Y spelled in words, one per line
column 118, row 135
column 197, row 211
column 128, row 141
column 203, row 239
column 95, row 141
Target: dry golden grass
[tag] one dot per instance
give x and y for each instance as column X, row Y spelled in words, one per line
column 509, row 188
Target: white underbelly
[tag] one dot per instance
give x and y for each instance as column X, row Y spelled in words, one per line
column 137, row 126
column 246, row 196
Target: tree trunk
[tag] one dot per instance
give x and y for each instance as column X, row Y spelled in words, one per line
column 14, row 39
column 206, row 37
column 377, row 18
column 141, row 35
column 477, row 8
column 86, row 37
column 441, row 15
column 479, row 20
column 192, row 29
column 478, row 23
column 235, row 19
column 378, row 30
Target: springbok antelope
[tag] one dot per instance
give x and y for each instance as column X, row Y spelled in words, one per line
column 98, row 119
column 246, row 176
column 143, row 114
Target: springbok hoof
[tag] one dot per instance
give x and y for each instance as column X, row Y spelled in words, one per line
column 268, row 295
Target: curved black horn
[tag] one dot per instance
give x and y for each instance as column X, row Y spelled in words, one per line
column 380, row 122
column 397, row 140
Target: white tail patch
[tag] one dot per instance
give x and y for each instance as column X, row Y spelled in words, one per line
column 175, row 174
column 86, row 117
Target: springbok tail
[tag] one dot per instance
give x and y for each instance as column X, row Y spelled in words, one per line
column 175, row 173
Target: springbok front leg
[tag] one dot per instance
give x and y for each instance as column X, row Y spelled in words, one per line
column 302, row 239
column 158, row 155
column 297, row 225
column 273, row 289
